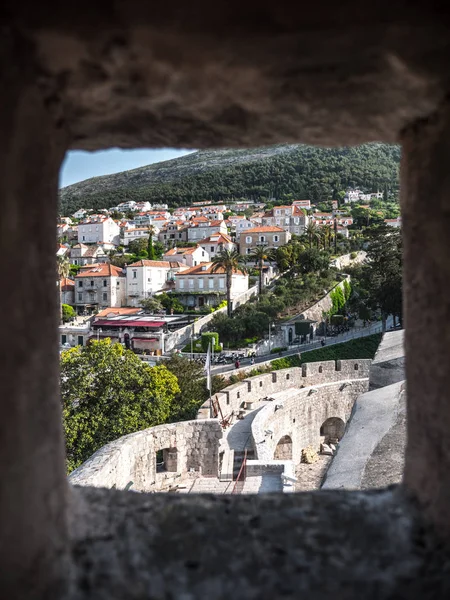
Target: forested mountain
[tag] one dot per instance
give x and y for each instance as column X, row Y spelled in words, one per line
column 306, row 172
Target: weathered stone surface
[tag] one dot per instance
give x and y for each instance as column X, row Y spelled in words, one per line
column 374, row 418
column 228, row 73
column 388, row 365
column 322, row 545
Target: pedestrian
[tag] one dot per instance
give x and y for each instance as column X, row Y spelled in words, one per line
column 322, row 343
column 252, row 361
column 237, row 364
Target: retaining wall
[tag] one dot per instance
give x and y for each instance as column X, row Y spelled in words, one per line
column 133, row 457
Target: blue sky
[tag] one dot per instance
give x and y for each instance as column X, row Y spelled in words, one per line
column 79, row 165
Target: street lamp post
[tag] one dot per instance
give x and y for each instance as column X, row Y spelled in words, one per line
column 270, row 327
column 99, row 331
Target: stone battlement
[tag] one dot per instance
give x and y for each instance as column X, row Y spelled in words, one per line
column 235, row 396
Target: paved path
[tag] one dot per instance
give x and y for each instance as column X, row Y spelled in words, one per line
column 263, row 484
column 330, row 341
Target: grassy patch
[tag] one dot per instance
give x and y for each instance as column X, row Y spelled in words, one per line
column 364, row 347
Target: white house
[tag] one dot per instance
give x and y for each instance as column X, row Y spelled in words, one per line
column 199, row 229
column 98, row 229
column 138, row 233
column 80, row 213
column 148, row 277
column 291, row 218
column 98, row 286
column 81, row 254
column 394, row 222
column 217, row 242
column 242, row 225
column 191, row 257
column 199, row 286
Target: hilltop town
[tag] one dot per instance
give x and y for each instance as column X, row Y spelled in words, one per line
column 120, row 265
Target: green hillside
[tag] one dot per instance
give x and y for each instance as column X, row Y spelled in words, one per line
column 306, row 172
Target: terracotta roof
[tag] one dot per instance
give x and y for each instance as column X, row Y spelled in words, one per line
column 180, row 251
column 101, row 270
column 162, row 264
column 205, row 269
column 220, row 238
column 67, row 284
column 110, row 312
column 264, row 229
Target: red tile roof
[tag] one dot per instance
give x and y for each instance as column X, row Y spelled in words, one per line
column 101, row 270
column 205, row 269
column 110, row 312
column 264, row 229
column 161, row 264
column 221, row 238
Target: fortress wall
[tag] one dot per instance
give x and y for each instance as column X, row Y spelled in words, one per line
column 133, row 457
column 301, row 416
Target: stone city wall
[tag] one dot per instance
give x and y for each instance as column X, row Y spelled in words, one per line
column 235, row 396
column 300, row 416
column 193, row 445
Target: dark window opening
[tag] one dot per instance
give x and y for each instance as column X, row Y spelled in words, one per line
column 166, row 460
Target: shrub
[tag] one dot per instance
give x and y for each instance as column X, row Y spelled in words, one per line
column 353, row 255
column 67, row 313
column 207, row 338
column 279, row 349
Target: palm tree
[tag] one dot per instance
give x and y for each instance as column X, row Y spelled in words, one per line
column 150, row 250
column 259, row 255
column 327, row 232
column 63, row 270
column 228, row 261
column 312, row 233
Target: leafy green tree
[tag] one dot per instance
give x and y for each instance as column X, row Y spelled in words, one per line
column 384, row 272
column 138, row 247
column 108, row 392
column 67, row 312
column 171, row 303
column 191, row 381
column 312, row 260
column 151, row 305
column 229, row 262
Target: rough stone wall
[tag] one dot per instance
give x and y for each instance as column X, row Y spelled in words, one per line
column 315, row 312
column 346, row 260
column 233, row 397
column 302, row 415
column 133, row 457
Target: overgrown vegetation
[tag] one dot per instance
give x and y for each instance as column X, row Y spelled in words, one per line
column 284, row 172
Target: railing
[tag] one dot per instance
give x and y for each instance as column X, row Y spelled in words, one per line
column 241, row 476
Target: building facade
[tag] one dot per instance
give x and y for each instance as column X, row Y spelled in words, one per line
column 99, row 286
column 191, row 257
column 99, row 229
column 290, row 218
column 199, row 286
column 148, row 277
column 273, row 237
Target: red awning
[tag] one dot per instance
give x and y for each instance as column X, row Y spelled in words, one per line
column 124, row 323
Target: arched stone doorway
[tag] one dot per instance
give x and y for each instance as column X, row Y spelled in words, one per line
column 332, row 429
column 283, row 451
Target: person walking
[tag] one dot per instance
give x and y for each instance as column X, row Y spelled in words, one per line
column 237, row 364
